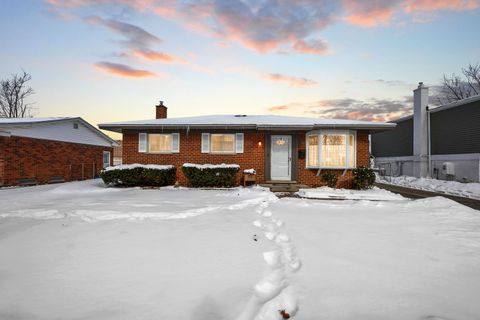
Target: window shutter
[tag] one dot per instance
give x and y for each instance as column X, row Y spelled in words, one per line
column 205, row 143
column 239, row 142
column 175, row 142
column 142, row 142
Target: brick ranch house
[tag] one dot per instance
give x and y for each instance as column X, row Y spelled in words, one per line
column 46, row 150
column 280, row 148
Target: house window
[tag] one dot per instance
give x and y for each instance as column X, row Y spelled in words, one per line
column 312, row 160
column 160, row 143
column 331, row 149
column 222, row 143
column 106, row 159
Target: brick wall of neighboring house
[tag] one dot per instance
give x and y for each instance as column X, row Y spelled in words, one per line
column 253, row 156
column 27, row 158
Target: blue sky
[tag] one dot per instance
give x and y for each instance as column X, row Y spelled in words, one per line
column 109, row 60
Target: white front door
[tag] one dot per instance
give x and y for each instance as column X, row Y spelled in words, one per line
column 281, row 157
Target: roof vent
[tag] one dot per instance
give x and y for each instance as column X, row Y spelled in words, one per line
column 240, row 115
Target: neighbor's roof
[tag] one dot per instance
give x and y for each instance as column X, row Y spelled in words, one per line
column 55, row 128
column 445, row 107
column 31, row 120
column 259, row 122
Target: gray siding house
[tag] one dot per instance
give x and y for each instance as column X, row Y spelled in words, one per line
column 442, row 143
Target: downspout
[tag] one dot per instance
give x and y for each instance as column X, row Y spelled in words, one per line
column 429, row 143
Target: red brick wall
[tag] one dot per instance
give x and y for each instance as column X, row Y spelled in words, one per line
column 190, row 152
column 253, row 156
column 26, row 158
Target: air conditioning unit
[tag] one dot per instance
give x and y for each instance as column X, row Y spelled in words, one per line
column 448, row 168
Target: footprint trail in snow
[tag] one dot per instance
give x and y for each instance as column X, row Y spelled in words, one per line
column 274, row 297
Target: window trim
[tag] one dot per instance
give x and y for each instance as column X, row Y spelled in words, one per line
column 223, row 152
column 171, row 151
column 319, row 134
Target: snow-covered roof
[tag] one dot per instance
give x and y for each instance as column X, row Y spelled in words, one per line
column 259, row 122
column 55, row 128
column 31, row 120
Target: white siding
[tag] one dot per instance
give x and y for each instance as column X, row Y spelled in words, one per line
column 59, row 131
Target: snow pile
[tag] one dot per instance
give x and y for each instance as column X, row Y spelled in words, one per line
column 348, row 194
column 468, row 190
column 211, row 166
column 250, row 171
column 137, row 165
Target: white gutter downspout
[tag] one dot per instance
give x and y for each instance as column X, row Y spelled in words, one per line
column 429, row 143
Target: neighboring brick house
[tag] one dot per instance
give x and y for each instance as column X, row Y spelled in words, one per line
column 43, row 150
column 280, row 148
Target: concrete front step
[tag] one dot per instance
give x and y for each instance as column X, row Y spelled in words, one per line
column 284, row 187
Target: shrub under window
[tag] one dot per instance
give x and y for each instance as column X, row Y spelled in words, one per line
column 212, row 176
column 137, row 175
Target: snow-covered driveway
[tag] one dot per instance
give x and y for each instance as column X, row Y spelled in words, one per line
column 82, row 251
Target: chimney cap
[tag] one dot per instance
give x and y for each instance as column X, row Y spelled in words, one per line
column 421, row 85
column 160, row 104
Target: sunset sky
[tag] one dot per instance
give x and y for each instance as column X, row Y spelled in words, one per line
column 111, row 60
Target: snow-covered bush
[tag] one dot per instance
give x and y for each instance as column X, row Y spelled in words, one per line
column 211, row 175
column 363, row 178
column 330, row 178
column 138, row 175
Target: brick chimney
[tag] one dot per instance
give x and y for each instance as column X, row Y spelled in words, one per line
column 160, row 111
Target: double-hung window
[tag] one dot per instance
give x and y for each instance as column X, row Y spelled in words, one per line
column 334, row 149
column 159, row 142
column 222, row 143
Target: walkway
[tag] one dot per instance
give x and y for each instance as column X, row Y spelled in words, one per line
column 417, row 194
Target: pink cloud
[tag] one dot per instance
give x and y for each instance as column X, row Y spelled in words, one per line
column 412, row 6
column 291, row 81
column 122, row 70
column 157, row 56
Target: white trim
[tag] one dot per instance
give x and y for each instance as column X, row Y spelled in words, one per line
column 142, row 142
column 239, row 142
column 319, row 133
column 175, row 137
column 205, row 143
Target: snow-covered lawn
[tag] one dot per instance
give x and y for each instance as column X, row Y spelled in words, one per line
column 83, row 251
column 468, row 190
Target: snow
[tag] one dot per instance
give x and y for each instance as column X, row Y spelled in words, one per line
column 211, row 166
column 344, row 194
column 81, row 250
column 250, row 171
column 247, row 120
column 31, row 120
column 468, row 190
column 137, row 165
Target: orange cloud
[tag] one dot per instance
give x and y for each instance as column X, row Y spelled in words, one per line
column 371, row 18
column 312, row 47
column 157, row 56
column 411, row 6
column 122, row 70
column 291, row 81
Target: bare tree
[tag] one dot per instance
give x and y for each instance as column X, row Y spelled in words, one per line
column 458, row 87
column 13, row 93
